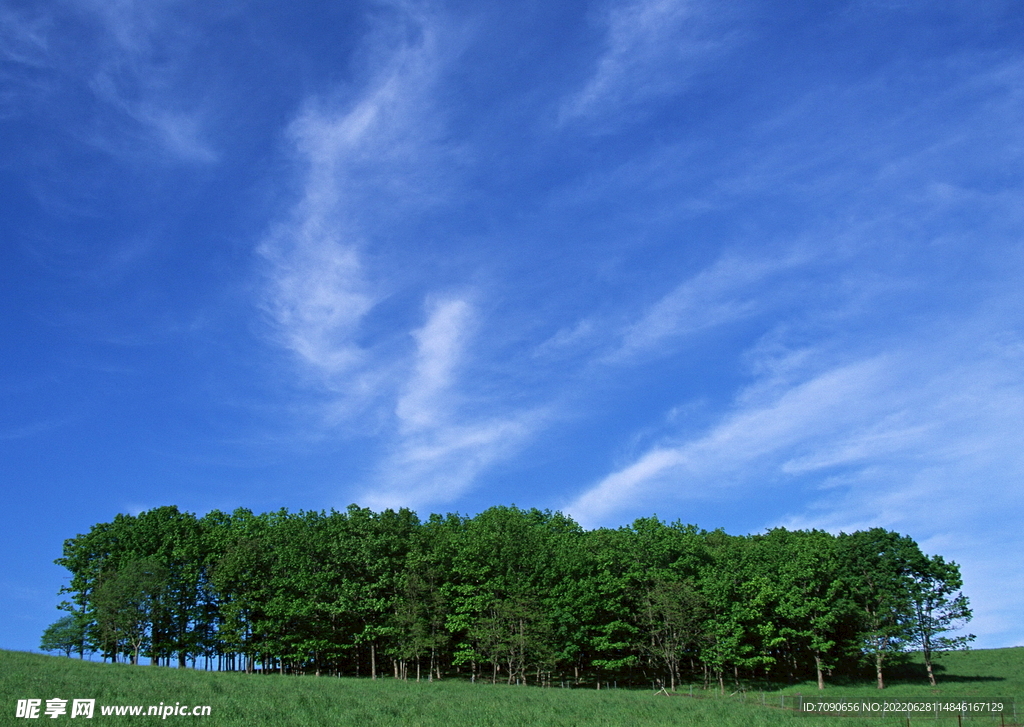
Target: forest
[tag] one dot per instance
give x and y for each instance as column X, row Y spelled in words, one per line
column 509, row 595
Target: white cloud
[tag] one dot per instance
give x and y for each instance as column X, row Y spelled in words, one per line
column 439, row 346
column 24, row 37
column 317, row 298
column 33, row 429
column 653, row 49
column 372, row 158
column 926, row 439
column 914, row 409
column 703, row 467
column 437, row 465
column 137, row 66
column 140, row 75
column 444, row 439
column 360, row 160
column 729, row 290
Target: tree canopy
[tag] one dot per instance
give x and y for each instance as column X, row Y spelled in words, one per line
column 511, row 595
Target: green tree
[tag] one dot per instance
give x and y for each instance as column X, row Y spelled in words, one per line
column 877, row 566
column 672, row 613
column 938, row 608
column 812, row 598
column 239, row 564
column 177, row 541
column 128, row 602
column 66, row 634
column 417, row 624
column 663, row 563
column 503, row 571
column 382, row 544
column 738, row 597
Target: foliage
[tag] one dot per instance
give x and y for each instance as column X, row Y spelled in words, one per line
column 66, row 634
column 510, row 595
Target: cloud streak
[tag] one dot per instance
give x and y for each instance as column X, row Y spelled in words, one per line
column 652, row 48
column 729, row 290
column 445, row 440
column 925, row 438
column 741, row 441
column 439, row 348
column 357, row 159
column 376, row 157
column 136, row 79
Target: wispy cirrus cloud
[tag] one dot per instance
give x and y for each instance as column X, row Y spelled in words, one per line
column 684, row 470
column 444, row 439
column 145, row 76
column 135, row 58
column 357, row 160
column 652, row 49
column 317, row 296
column 439, row 347
column 923, row 438
column 374, row 157
column 729, row 290
column 952, row 398
column 25, row 37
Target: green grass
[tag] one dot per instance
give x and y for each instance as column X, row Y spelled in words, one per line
column 975, row 674
column 258, row 700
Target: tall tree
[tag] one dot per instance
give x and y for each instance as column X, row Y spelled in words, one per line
column 128, row 603
column 938, row 608
column 737, row 596
column 811, row 596
column 877, row 567
column 672, row 613
column 502, row 572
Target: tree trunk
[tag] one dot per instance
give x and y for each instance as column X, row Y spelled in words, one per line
column 878, row 670
column 817, row 666
column 373, row 660
column 928, row 660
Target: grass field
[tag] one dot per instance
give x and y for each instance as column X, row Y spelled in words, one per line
column 255, row 701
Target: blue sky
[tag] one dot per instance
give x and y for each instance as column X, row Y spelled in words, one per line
column 741, row 264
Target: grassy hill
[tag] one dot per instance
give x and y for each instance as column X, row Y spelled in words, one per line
column 257, row 700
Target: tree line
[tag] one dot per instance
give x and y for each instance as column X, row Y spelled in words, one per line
column 512, row 595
